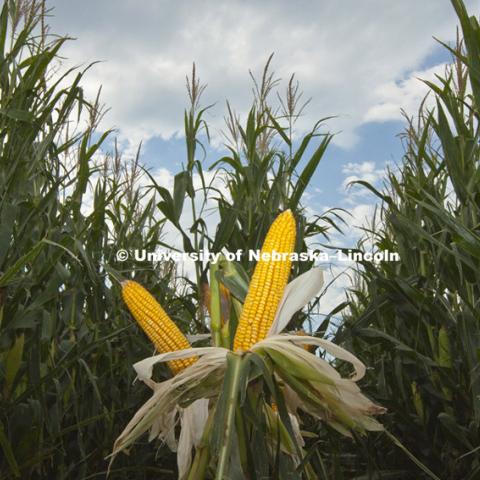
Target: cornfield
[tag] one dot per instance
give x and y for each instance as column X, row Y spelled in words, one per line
column 218, row 374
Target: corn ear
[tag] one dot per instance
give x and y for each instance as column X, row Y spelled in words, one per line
column 268, row 283
column 155, row 322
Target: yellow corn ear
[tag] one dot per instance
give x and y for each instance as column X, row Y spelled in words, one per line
column 155, row 322
column 267, row 284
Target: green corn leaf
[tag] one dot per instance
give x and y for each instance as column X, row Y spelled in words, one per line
column 10, row 275
column 308, row 171
column 180, row 185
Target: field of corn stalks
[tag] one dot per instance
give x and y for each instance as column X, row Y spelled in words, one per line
column 136, row 371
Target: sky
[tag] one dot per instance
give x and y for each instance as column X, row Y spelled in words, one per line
column 360, row 61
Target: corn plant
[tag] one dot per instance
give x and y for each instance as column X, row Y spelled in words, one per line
column 416, row 322
column 267, row 169
column 238, row 408
column 65, row 343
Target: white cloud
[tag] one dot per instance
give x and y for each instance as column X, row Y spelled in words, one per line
column 365, row 171
column 358, row 200
column 359, row 217
column 338, row 278
column 407, row 94
column 346, row 55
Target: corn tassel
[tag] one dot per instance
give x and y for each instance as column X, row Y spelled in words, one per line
column 155, row 322
column 267, row 284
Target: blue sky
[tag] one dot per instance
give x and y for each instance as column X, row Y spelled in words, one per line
column 356, row 60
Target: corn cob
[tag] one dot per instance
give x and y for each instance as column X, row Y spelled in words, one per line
column 268, row 283
column 155, row 322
